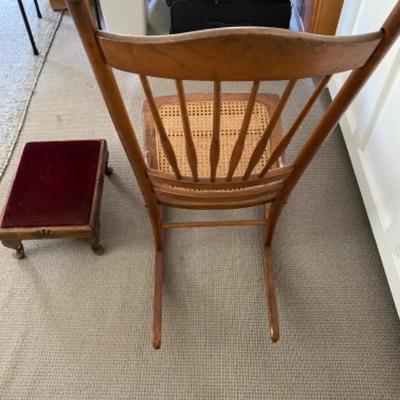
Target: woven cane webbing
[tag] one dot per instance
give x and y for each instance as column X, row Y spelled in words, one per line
column 201, row 121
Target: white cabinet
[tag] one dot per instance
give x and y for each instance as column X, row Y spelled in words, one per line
column 371, row 128
column 125, row 16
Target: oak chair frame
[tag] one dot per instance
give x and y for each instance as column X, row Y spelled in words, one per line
column 229, row 54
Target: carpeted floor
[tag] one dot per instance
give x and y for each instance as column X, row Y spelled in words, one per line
column 77, row 326
column 16, row 55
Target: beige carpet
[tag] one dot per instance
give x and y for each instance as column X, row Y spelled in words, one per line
column 77, row 326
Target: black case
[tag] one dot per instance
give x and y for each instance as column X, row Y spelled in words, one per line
column 192, row 15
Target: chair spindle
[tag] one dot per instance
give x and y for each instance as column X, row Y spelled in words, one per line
column 215, row 145
column 262, row 143
column 189, row 144
column 285, row 141
column 165, row 142
column 239, row 145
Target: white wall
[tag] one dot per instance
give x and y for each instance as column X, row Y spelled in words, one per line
column 371, row 128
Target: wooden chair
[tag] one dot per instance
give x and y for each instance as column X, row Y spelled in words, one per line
column 238, row 171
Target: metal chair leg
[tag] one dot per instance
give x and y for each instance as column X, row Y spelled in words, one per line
column 97, row 12
column 28, row 28
column 38, row 13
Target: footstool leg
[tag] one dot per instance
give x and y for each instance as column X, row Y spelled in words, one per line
column 17, row 246
column 96, row 247
column 108, row 171
column 94, row 241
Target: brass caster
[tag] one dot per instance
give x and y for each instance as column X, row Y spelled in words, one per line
column 20, row 252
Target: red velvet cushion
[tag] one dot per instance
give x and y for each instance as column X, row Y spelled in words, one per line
column 54, row 184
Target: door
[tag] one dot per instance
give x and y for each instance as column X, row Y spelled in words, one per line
column 318, row 16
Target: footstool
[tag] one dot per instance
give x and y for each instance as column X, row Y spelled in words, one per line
column 56, row 193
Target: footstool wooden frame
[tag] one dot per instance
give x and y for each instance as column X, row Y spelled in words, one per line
column 12, row 237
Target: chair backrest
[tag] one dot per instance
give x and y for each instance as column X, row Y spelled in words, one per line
column 231, row 54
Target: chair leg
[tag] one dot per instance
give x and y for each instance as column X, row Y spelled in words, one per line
column 97, row 13
column 157, row 305
column 28, row 28
column 38, row 13
column 271, row 298
column 269, row 282
column 17, row 246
